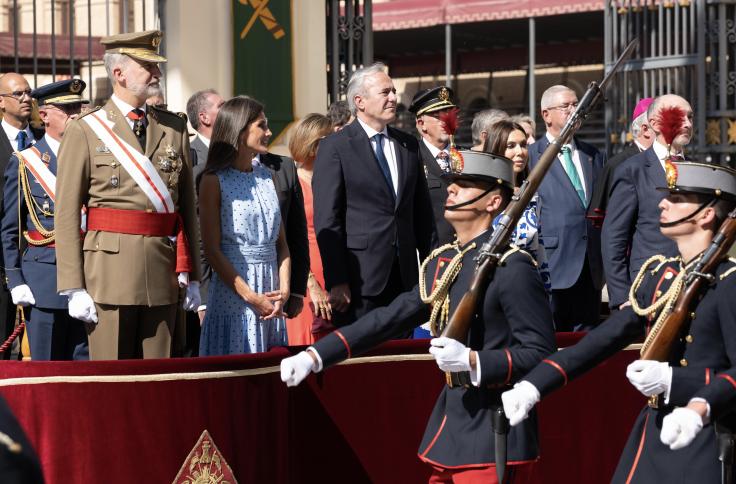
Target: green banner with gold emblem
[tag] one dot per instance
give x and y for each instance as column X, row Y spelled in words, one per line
column 263, row 64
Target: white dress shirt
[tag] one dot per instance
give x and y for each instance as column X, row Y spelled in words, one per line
column 204, row 139
column 662, row 153
column 575, row 161
column 389, row 150
column 53, row 144
column 434, row 150
column 125, row 108
column 12, row 133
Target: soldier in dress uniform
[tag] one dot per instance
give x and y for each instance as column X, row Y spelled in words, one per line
column 128, row 163
column 434, row 150
column 510, row 333
column 28, row 221
column 698, row 200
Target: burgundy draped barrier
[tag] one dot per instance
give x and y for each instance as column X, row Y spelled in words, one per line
column 137, row 421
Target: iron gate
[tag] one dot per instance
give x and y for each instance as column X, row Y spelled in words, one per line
column 686, row 48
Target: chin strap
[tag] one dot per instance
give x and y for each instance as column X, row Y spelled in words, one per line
column 702, row 207
column 458, row 206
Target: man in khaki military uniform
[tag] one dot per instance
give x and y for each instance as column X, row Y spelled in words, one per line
column 128, row 164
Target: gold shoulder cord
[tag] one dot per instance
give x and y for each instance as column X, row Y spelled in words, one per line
column 25, row 187
column 439, row 298
column 666, row 302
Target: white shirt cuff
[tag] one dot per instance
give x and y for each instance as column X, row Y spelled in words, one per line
column 318, row 366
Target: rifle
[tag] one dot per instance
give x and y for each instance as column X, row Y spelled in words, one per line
column 660, row 340
column 488, row 255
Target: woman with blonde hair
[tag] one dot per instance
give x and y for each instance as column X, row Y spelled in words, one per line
column 314, row 322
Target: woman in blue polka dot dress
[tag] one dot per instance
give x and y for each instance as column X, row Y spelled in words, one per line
column 243, row 237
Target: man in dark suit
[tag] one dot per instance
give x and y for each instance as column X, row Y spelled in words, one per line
column 631, row 232
column 202, row 109
column 570, row 240
column 30, row 258
column 643, row 137
column 16, row 106
column 434, row 151
column 371, row 204
column 291, row 202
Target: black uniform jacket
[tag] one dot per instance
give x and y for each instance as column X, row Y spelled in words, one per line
column 512, row 331
column 437, row 194
column 706, row 348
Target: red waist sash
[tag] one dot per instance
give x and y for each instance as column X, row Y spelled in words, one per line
column 138, row 222
column 36, row 235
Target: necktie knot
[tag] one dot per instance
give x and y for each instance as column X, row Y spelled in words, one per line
column 136, row 114
column 566, row 149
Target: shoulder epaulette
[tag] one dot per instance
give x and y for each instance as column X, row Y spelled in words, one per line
column 662, row 261
column 89, row 111
column 513, row 249
column 730, row 270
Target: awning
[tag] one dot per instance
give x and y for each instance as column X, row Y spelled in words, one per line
column 43, row 46
column 412, row 14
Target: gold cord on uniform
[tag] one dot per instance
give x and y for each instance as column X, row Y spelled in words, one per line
column 439, row 298
column 24, row 186
column 665, row 302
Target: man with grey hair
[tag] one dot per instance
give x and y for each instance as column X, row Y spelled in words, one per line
column 643, row 137
column 631, row 230
column 371, row 204
column 128, row 164
column 202, row 109
column 571, row 241
column 481, row 126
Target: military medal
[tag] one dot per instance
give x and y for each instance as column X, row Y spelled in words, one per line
column 169, row 162
column 114, row 181
column 46, row 158
column 46, row 206
column 102, row 149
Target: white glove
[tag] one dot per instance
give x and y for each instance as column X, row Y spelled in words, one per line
column 451, row 355
column 650, row 377
column 192, row 300
column 22, row 295
column 296, row 368
column 518, row 402
column 82, row 307
column 680, row 428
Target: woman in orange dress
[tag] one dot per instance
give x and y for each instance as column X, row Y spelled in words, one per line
column 314, row 321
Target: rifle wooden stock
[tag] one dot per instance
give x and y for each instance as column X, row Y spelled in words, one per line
column 488, row 256
column 661, row 344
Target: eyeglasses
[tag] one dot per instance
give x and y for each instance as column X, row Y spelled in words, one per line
column 564, row 107
column 18, row 94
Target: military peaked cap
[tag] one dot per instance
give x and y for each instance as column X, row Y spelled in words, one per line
column 142, row 46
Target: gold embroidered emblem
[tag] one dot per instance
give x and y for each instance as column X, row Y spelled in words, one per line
column 75, row 86
column 670, row 174
column 205, row 464
column 444, row 94
column 46, row 157
column 155, row 41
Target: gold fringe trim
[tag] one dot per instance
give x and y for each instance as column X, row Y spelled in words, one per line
column 210, row 375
